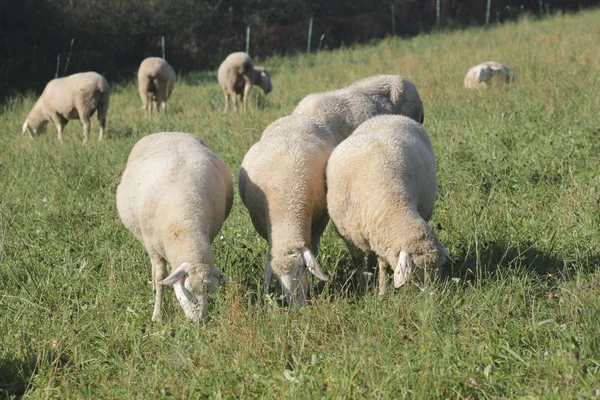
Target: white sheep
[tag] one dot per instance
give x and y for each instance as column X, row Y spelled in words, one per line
column 282, row 183
column 381, row 189
column 236, row 76
column 174, row 196
column 343, row 110
column 156, row 79
column 481, row 75
column 76, row 96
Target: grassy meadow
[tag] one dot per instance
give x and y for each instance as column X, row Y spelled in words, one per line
column 518, row 208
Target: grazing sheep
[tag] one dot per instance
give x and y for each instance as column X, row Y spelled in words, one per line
column 174, row 196
column 76, row 96
column 282, row 183
column 381, row 189
column 343, row 110
column 156, row 79
column 236, row 76
column 480, row 75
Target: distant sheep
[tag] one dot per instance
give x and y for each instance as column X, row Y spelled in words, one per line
column 174, row 196
column 481, row 75
column 236, row 76
column 282, row 183
column 381, row 189
column 343, row 110
column 76, row 96
column 156, row 79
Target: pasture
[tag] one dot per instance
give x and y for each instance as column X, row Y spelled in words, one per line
column 518, row 208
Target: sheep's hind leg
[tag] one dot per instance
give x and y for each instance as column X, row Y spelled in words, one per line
column 86, row 129
column 159, row 272
column 102, row 109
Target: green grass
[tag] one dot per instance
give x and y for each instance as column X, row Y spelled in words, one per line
column 518, row 208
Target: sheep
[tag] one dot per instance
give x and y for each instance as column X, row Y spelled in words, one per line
column 156, row 79
column 174, row 196
column 381, row 190
column 282, row 184
column 236, row 76
column 480, row 75
column 343, row 110
column 76, row 96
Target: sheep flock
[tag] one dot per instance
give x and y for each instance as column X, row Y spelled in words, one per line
column 357, row 155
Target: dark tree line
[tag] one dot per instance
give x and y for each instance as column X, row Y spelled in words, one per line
column 113, row 36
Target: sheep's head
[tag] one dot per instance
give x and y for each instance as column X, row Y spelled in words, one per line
column 193, row 285
column 263, row 79
column 290, row 271
column 34, row 127
column 428, row 253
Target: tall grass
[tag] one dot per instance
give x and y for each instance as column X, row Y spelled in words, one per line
column 518, row 208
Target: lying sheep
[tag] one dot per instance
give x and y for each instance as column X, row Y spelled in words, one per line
column 174, row 196
column 381, row 189
column 156, row 79
column 343, row 110
column 236, row 76
column 282, row 183
column 480, row 75
column 76, row 96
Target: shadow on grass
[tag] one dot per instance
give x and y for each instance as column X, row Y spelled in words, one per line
column 489, row 258
column 15, row 376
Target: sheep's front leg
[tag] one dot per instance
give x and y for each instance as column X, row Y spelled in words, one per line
column 247, row 88
column 86, row 129
column 226, row 102
column 60, row 123
column 383, row 278
column 159, row 272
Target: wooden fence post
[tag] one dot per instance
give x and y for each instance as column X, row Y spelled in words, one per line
column 310, row 25
column 248, row 39
column 437, row 14
column 162, row 43
column 57, row 65
column 393, row 20
column 487, row 12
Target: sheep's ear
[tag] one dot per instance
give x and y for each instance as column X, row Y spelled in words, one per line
column 403, row 269
column 25, row 126
column 179, row 274
column 313, row 266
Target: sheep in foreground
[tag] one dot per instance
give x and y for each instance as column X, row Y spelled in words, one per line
column 236, row 76
column 174, row 196
column 381, row 189
column 343, row 110
column 481, row 75
column 156, row 79
column 76, row 96
column 282, row 183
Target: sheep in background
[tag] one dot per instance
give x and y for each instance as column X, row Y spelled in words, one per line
column 236, row 76
column 174, row 196
column 156, row 79
column 343, row 110
column 282, row 184
column 75, row 96
column 381, row 189
column 481, row 75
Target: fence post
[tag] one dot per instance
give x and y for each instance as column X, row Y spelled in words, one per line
column 248, row 39
column 541, row 8
column 57, row 65
column 310, row 24
column 162, row 43
column 437, row 14
column 487, row 12
column 393, row 20
column 68, row 57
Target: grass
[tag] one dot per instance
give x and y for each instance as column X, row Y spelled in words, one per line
column 518, row 208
